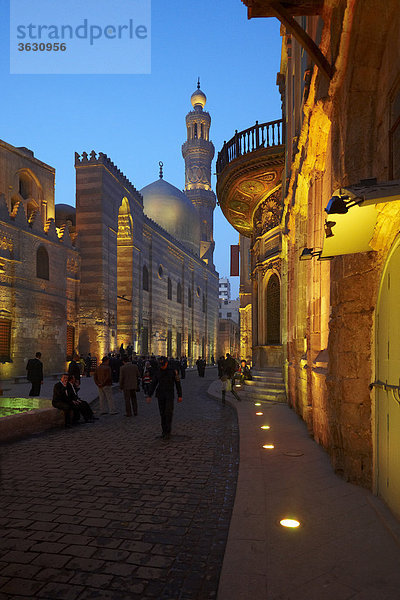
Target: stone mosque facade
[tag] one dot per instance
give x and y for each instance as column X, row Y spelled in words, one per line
column 123, row 267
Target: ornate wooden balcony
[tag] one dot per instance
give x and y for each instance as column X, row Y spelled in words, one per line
column 249, row 169
column 265, row 135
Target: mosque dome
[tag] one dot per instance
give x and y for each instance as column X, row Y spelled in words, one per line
column 65, row 215
column 173, row 211
column 198, row 98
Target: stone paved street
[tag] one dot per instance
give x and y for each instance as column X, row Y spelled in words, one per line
column 111, row 511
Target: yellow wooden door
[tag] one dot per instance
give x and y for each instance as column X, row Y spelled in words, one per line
column 388, row 371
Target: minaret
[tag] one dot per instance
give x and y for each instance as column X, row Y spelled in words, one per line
column 198, row 153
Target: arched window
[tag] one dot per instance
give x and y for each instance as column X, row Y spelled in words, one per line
column 145, row 278
column 273, row 310
column 195, row 130
column 169, row 343
column 42, row 263
column 201, row 131
column 70, row 342
column 5, row 340
column 25, row 186
column 189, row 297
column 179, row 293
column 178, row 344
column 169, row 289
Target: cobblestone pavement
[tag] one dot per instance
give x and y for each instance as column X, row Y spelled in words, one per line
column 111, row 511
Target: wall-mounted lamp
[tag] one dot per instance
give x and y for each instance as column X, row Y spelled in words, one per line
column 339, row 205
column 328, row 228
column 309, row 253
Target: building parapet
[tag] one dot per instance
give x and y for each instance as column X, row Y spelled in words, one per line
column 35, row 225
column 102, row 159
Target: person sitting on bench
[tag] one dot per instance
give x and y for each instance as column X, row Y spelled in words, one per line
column 63, row 399
column 83, row 406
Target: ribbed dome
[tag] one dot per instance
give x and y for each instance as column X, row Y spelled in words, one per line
column 198, row 97
column 170, row 208
column 64, row 213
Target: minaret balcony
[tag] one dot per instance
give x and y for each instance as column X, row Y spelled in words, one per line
column 249, row 169
column 201, row 145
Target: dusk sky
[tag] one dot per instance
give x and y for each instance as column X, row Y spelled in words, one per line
column 138, row 120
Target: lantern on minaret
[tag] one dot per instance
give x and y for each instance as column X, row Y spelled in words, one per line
column 198, row 153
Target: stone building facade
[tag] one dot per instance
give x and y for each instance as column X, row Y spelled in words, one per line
column 228, row 338
column 122, row 266
column 39, row 266
column 228, row 326
column 340, row 256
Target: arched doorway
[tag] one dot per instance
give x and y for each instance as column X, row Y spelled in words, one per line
column 126, row 333
column 387, row 410
column 273, row 301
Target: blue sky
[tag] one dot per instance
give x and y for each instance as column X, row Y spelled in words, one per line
column 138, row 120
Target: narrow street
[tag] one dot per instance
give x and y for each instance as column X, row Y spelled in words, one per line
column 111, row 511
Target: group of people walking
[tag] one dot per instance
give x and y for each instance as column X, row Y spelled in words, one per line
column 160, row 377
column 157, row 376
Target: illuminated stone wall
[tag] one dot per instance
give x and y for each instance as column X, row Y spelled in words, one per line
column 36, row 187
column 96, row 287
column 101, row 191
column 245, row 290
column 339, row 132
column 117, row 241
column 228, row 339
column 166, row 258
column 38, row 308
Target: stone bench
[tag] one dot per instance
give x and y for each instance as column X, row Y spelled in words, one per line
column 22, row 425
column 20, row 379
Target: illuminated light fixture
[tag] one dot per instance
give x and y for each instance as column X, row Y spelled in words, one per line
column 309, row 253
column 328, row 228
column 257, row 403
column 339, row 205
column 290, row 523
column 265, row 427
column 268, row 446
column 259, row 414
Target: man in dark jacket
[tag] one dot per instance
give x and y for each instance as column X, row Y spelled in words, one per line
column 164, row 381
column 220, row 365
column 230, row 367
column 34, row 374
column 75, row 369
column 63, row 399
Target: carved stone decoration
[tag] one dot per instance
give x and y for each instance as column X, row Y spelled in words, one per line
column 273, row 265
column 6, row 243
column 253, row 187
column 268, row 214
column 197, row 174
column 72, row 265
column 176, row 253
column 245, row 182
column 124, row 228
column 271, row 212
